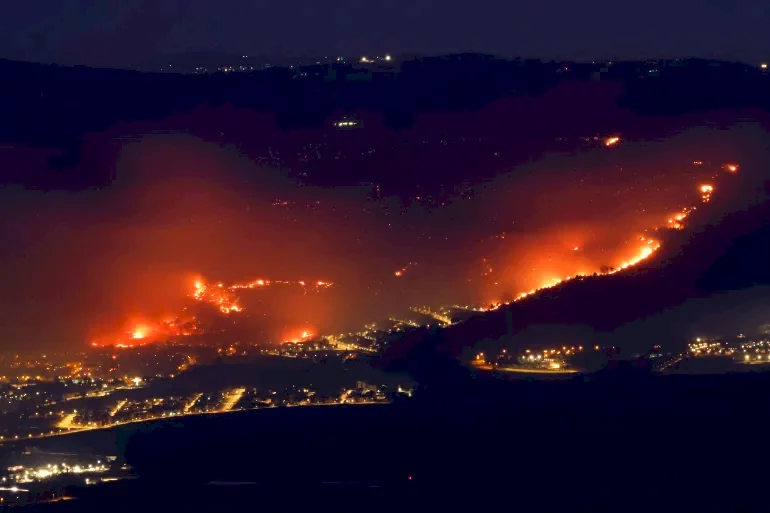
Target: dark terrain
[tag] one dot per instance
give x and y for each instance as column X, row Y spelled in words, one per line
column 610, row 444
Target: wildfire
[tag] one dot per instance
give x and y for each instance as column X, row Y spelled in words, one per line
column 221, row 296
column 706, row 191
column 141, row 331
column 610, row 141
column 647, row 248
column 303, row 336
column 225, row 299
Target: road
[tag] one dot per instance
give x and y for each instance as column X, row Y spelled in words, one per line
column 76, row 428
column 67, row 422
column 117, row 407
column 232, row 399
column 192, row 402
column 537, row 371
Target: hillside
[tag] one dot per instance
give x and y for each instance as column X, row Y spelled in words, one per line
column 716, row 264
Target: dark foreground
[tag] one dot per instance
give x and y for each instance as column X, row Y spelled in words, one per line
column 677, row 443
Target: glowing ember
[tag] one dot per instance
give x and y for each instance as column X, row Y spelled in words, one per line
column 706, row 191
column 402, row 270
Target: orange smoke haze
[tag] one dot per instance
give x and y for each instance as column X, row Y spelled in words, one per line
column 297, row 335
column 113, row 263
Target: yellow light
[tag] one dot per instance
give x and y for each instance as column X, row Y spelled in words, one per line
column 763, row 66
column 387, row 57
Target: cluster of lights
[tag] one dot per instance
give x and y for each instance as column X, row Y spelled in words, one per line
column 30, row 475
column 424, row 310
column 367, row 60
column 703, row 347
column 761, row 350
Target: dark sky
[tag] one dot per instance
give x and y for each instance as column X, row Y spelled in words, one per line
column 117, row 33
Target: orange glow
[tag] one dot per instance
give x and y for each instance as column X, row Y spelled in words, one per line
column 647, row 247
column 139, row 331
column 221, row 296
column 706, row 191
column 616, row 235
column 298, row 336
column 401, row 271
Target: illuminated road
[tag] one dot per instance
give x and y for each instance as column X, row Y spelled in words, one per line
column 192, row 402
column 117, row 407
column 77, row 428
column 232, row 399
column 522, row 370
column 67, row 422
column 537, row 371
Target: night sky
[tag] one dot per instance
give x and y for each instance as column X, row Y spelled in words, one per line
column 94, row 32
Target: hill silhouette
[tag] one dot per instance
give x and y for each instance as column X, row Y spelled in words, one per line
column 54, row 106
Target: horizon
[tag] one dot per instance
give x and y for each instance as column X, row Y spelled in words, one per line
column 283, row 61
column 81, row 32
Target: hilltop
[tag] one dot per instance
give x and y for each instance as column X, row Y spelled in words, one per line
column 53, row 105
